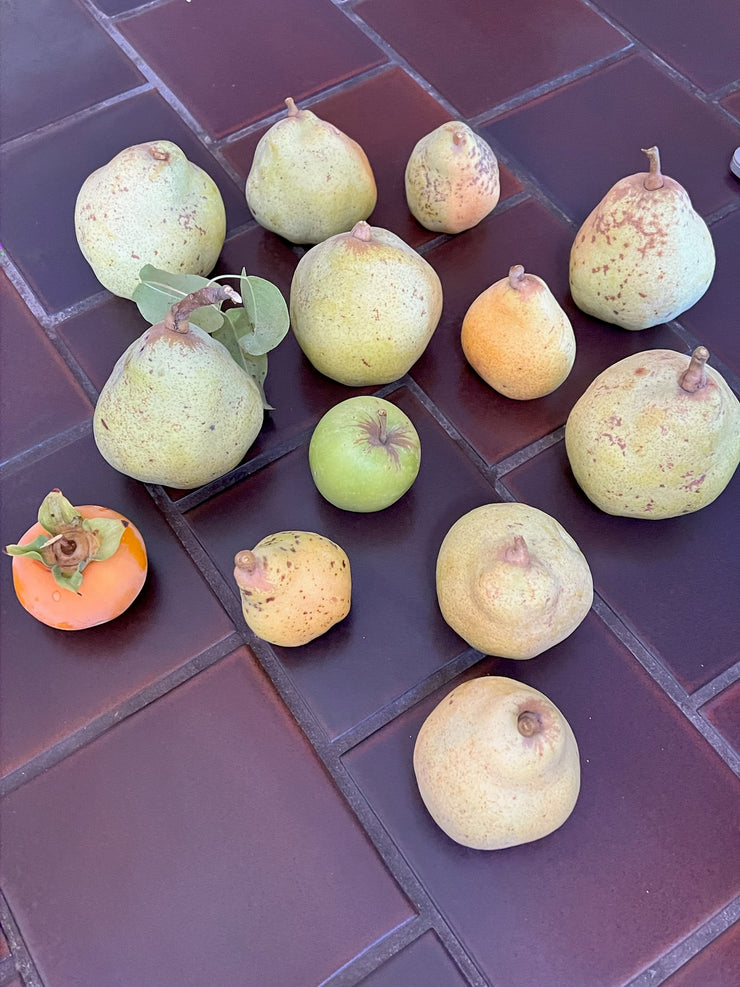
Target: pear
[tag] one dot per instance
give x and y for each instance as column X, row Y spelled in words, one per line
column 497, row 764
column 655, row 435
column 294, row 586
column 308, row 179
column 177, row 408
column 511, row 581
column 643, row 256
column 451, row 179
column 364, row 305
column 149, row 205
column 517, row 338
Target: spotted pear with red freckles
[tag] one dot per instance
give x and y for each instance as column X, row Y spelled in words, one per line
column 294, row 586
column 644, row 255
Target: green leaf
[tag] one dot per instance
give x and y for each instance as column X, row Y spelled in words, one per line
column 158, row 291
column 266, row 314
column 109, row 532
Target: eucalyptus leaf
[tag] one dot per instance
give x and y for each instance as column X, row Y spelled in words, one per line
column 256, row 367
column 267, row 314
column 158, row 291
column 228, row 337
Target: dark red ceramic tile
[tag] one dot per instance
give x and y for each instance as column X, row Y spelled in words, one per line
column 394, row 636
column 709, row 318
column 251, row 64
column 530, row 235
column 724, row 713
column 626, row 876
column 38, row 231
column 714, row 966
column 701, row 43
column 493, row 52
column 672, row 581
column 39, row 397
column 40, row 81
column 386, row 114
column 581, row 139
column 200, row 841
column 423, row 962
column 54, row 682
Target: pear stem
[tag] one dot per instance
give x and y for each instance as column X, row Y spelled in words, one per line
column 362, row 231
column 292, row 108
column 694, row 376
column 212, row 294
column 458, row 138
column 654, row 178
column 246, row 560
column 517, row 553
column 528, row 723
column 516, row 277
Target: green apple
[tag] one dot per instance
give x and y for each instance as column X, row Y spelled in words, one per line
column 364, row 454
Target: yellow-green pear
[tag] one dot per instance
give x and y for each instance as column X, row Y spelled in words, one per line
column 149, row 205
column 308, row 179
column 655, row 435
column 497, row 764
column 451, row 179
column 177, row 408
column 643, row 256
column 364, row 305
column 294, row 586
column 511, row 581
column 517, row 338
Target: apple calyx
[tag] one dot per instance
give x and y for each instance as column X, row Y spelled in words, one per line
column 176, row 319
column 654, row 178
column 694, row 376
column 377, row 433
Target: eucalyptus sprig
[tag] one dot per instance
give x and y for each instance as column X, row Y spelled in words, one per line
column 248, row 331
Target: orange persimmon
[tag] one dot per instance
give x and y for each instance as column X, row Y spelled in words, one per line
column 78, row 566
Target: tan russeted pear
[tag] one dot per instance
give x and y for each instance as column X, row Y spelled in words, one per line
column 149, row 205
column 643, row 256
column 294, row 586
column 517, row 338
column 309, row 180
column 451, row 179
column 511, row 581
column 177, row 408
column 655, row 435
column 364, row 305
column 497, row 764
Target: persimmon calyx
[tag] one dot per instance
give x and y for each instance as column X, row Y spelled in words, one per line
column 70, row 542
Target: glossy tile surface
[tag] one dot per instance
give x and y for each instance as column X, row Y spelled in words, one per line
column 182, row 803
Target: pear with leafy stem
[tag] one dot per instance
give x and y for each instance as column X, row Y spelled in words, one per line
column 294, row 586
column 643, row 255
column 177, row 409
column 149, row 203
column 309, row 180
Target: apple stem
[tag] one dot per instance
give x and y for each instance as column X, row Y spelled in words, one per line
column 212, row 294
column 383, row 426
column 694, row 376
column 516, row 276
column 654, row 178
column 528, row 723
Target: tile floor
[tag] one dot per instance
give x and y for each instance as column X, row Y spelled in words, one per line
column 182, row 804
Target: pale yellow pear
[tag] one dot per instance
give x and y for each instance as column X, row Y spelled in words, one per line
column 149, row 205
column 643, row 256
column 497, row 764
column 309, row 180
column 294, row 586
column 655, row 435
column 364, row 305
column 511, row 581
column 517, row 338
column 451, row 179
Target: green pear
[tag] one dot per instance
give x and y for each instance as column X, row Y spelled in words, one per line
column 451, row 179
column 177, row 408
column 643, row 256
column 655, row 435
column 294, row 586
column 497, row 764
column 308, row 179
column 149, row 205
column 511, row 581
column 364, row 305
